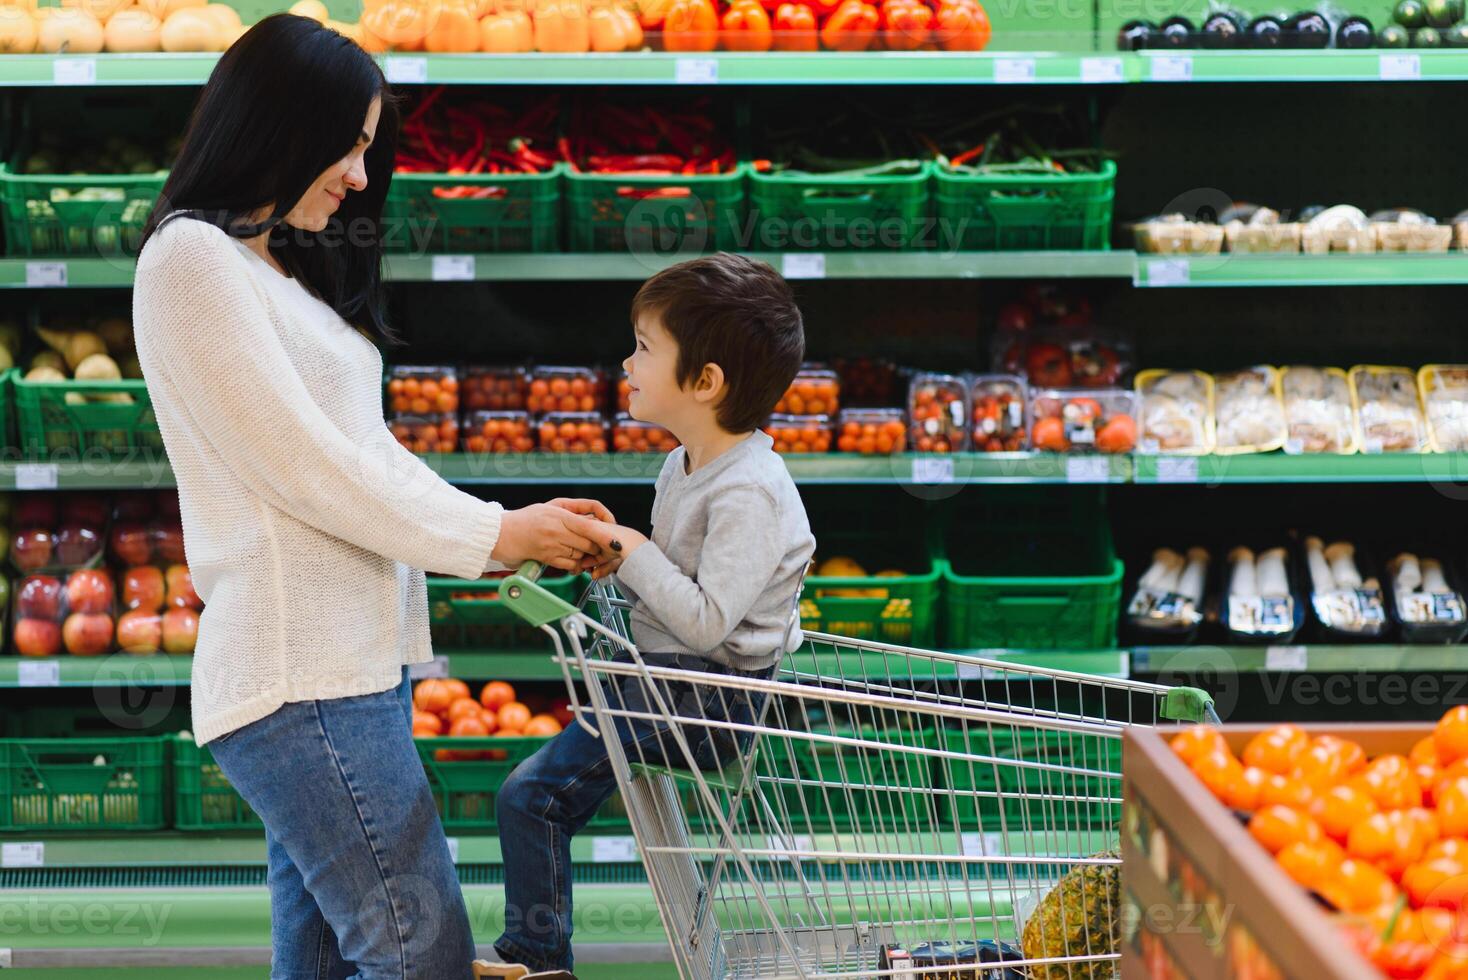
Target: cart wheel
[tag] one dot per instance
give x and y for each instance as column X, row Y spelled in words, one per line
column 483, row 969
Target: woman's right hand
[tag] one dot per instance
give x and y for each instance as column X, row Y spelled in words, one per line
column 544, row 533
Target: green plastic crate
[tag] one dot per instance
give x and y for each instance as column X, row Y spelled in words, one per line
column 820, row 787
column 51, row 419
column 1012, row 212
column 995, row 796
column 831, row 213
column 1036, row 572
column 202, row 798
column 522, row 216
column 654, row 214
column 85, row 215
column 900, row 609
column 468, row 613
column 7, row 409
column 49, row 784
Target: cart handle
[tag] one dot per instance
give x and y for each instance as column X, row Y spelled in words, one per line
column 522, row 593
column 1189, row 704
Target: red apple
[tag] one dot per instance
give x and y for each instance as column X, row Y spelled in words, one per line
column 169, row 540
column 37, row 638
column 132, row 508
column 143, row 588
column 140, row 631
column 132, row 544
column 168, row 505
column 181, row 588
column 35, row 511
column 180, row 630
column 31, row 549
column 89, row 591
column 77, row 545
column 87, row 634
column 39, row 597
column 85, row 509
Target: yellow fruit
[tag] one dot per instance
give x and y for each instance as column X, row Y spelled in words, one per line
column 132, row 31
column 346, row 30
column 69, row 31
column 226, row 18
column 314, row 9
column 17, row 31
column 840, row 566
column 30, row 5
column 190, row 30
column 103, row 10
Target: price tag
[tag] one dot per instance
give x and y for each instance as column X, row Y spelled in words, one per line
column 1177, row 469
column 38, row 673
column 1172, row 68
column 406, row 71
column 1087, row 469
column 1010, row 70
column 453, row 849
column 613, row 850
column 36, row 476
column 453, row 268
column 696, row 71
column 932, row 469
column 798, row 843
column 1101, row 70
column 1400, row 67
column 437, row 667
column 1285, row 659
column 803, row 265
column 42, row 275
column 74, row 71
column 30, row 854
column 1168, row 272
column 981, row 844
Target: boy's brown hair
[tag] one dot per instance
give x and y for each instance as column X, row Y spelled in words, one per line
column 737, row 313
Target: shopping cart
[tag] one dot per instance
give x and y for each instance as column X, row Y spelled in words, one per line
column 869, row 810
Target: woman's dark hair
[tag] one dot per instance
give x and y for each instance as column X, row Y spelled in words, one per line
column 283, row 104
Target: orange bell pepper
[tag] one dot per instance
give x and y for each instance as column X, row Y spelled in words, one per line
column 852, row 27
column 507, row 33
column 606, row 29
column 746, row 27
column 632, row 25
column 795, row 28
column 561, row 26
column 962, row 26
column 905, row 24
column 691, row 25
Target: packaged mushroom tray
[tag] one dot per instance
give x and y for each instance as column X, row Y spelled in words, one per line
column 1168, row 601
column 1388, row 416
column 1176, row 412
column 1348, row 605
column 1424, row 599
column 1444, row 392
column 1407, row 230
column 1176, row 234
column 1248, row 411
column 1259, row 605
column 1319, row 411
column 1342, row 228
column 1248, row 228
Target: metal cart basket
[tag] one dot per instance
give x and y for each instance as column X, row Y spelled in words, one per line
column 865, row 811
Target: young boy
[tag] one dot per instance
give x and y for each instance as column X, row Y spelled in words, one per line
column 718, row 341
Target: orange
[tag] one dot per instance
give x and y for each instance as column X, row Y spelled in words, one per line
column 1447, row 847
column 433, row 695
column 1193, row 743
column 458, row 687
column 1219, row 771
column 1340, row 808
column 542, row 726
column 1358, row 886
column 469, row 726
column 1449, row 773
column 1439, row 883
column 1353, row 754
column 1407, row 958
column 1391, row 841
column 1244, row 793
column 496, row 695
column 464, row 708
column 1286, row 790
column 1451, row 735
column 1277, row 827
column 1310, row 862
column 426, row 724
column 1327, row 761
column 1451, row 964
column 1424, row 752
column 1276, row 749
column 514, row 716
column 1391, row 783
column 1452, row 807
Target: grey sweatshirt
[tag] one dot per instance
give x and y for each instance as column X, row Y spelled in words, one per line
column 727, row 553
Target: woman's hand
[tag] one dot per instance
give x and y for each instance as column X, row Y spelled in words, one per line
column 548, row 534
column 614, row 543
column 587, row 508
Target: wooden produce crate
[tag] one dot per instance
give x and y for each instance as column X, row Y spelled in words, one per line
column 1202, row 900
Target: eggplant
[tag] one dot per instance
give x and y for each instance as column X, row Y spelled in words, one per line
column 1175, row 32
column 1135, row 35
column 1266, row 31
column 1307, row 30
column 1355, row 32
column 1223, row 29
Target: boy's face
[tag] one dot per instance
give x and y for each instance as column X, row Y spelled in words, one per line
column 652, row 374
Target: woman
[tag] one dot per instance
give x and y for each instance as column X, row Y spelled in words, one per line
column 258, row 309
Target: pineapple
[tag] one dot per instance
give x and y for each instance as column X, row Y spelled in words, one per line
column 1081, row 916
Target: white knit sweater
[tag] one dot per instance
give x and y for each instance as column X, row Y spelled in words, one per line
column 306, row 525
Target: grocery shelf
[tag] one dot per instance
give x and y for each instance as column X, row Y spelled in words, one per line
column 117, row 670
column 1304, row 468
column 1296, row 66
column 1386, row 269
column 1323, row 659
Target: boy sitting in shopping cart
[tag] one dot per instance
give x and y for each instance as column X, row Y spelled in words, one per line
column 713, row 589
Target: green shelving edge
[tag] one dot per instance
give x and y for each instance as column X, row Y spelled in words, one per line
column 1384, row 269
column 1323, row 659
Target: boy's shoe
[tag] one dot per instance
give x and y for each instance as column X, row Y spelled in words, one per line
column 483, row 970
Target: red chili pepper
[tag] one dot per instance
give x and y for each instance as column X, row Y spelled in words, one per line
column 967, row 155
column 564, row 145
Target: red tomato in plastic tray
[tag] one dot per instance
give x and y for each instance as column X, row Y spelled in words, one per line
column 1063, row 423
column 999, row 420
column 937, row 408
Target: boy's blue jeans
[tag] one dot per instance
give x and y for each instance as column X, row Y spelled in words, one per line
column 550, row 797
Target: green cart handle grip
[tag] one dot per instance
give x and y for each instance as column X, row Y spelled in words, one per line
column 523, row 594
column 1189, row 704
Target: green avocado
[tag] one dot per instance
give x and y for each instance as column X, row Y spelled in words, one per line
column 1393, row 36
column 1444, row 13
column 1410, row 14
column 1428, row 37
column 1456, row 36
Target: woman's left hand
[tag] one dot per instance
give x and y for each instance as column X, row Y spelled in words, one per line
column 616, row 543
column 584, row 507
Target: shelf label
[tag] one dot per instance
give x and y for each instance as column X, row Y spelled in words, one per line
column 1177, row 469
column 1172, row 68
column 1400, row 67
column 1168, row 272
column 437, row 667
column 696, row 71
column 1285, row 659
column 979, row 844
column 798, row 843
column 803, row 265
column 1101, row 70
column 1014, row 70
column 1087, row 469
column 27, row 854
column 42, row 275
column 36, row 476
column 453, row 849
column 613, row 850
column 74, row 71
column 405, row 71
column 932, row 469
column 453, row 268
column 38, row 673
